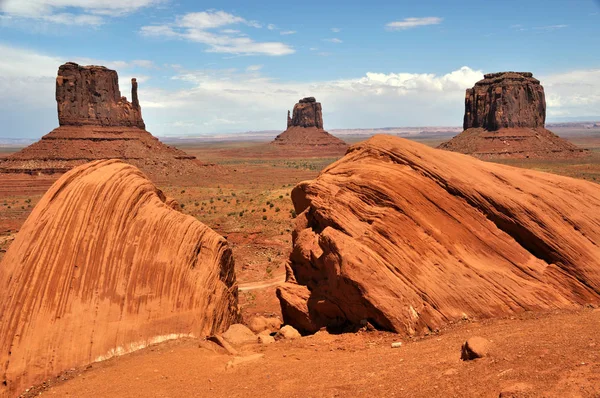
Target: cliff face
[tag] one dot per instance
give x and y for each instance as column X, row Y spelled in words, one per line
column 507, row 99
column 307, row 113
column 411, row 238
column 104, row 265
column 89, row 95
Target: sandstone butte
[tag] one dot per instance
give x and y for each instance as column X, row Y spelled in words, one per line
column 305, row 128
column 105, row 265
column 96, row 122
column 411, row 238
column 505, row 115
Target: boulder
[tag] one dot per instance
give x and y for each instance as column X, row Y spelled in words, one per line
column 260, row 323
column 287, row 333
column 265, row 339
column 387, row 233
column 239, row 334
column 475, row 347
column 104, row 266
column 505, row 114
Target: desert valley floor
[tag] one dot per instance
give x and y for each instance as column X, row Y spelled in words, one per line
column 246, row 199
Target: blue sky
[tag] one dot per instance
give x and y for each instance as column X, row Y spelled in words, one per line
column 210, row 67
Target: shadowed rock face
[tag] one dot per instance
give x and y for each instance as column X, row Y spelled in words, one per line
column 507, row 99
column 411, row 238
column 504, row 118
column 305, row 128
column 105, row 265
column 89, row 95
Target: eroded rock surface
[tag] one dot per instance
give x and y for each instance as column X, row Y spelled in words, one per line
column 410, row 238
column 103, row 266
column 305, row 128
column 505, row 115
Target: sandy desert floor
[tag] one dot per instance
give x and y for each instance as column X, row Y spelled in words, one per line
column 248, row 201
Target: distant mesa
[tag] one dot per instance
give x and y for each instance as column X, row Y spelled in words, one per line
column 96, row 122
column 105, row 265
column 505, row 116
column 410, row 239
column 305, row 128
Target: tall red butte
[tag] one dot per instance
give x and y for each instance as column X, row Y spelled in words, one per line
column 410, row 238
column 96, row 122
column 305, row 129
column 105, row 265
column 505, row 115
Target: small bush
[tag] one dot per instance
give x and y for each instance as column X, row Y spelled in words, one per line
column 264, row 218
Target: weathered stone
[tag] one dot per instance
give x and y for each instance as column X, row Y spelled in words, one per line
column 475, row 347
column 260, row 323
column 239, row 334
column 287, row 333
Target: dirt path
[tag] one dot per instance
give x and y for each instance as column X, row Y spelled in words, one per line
column 277, row 280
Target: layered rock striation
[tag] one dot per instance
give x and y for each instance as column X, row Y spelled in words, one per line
column 410, row 238
column 96, row 122
column 305, row 128
column 104, row 265
column 505, row 116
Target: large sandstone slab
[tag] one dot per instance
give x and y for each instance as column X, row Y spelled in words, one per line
column 410, row 238
column 105, row 265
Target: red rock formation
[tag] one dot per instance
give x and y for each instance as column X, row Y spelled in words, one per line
column 305, row 128
column 103, row 266
column 410, row 238
column 97, row 123
column 89, row 95
column 504, row 117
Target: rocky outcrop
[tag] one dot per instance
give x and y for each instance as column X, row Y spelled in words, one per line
column 97, row 123
column 305, row 128
column 505, row 114
column 103, row 266
column 307, row 113
column 410, row 238
column 89, row 95
column 503, row 100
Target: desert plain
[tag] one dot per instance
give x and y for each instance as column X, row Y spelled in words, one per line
column 246, row 199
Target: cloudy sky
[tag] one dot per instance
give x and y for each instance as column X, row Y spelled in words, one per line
column 229, row 66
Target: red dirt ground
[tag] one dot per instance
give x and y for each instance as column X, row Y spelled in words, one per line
column 549, row 355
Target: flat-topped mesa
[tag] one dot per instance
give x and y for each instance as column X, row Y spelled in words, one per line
column 89, row 95
column 307, row 113
column 503, row 100
column 505, row 114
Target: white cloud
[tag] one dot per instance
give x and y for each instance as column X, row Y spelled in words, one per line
column 409, row 23
column 336, row 30
column 287, row 32
column 234, row 101
column 197, row 27
column 271, row 26
column 334, row 40
column 91, row 13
